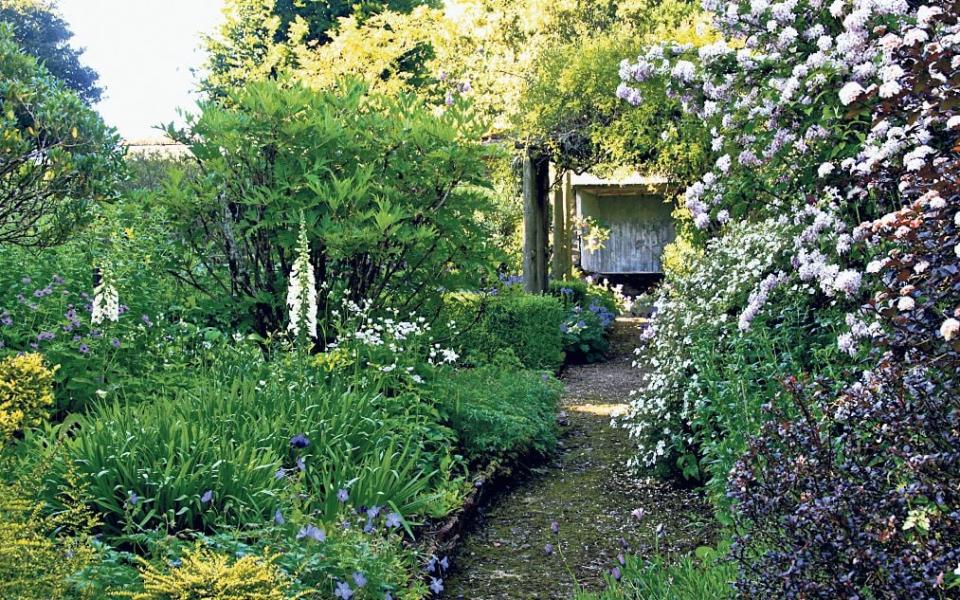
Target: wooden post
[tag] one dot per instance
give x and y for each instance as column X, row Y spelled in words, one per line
column 559, row 229
column 536, row 224
column 570, row 208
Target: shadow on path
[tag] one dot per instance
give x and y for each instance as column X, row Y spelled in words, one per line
column 588, row 490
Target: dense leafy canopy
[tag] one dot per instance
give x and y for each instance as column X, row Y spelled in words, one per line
column 383, row 183
column 42, row 33
column 56, row 154
column 257, row 37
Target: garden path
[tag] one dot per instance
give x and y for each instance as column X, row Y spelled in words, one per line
column 588, row 490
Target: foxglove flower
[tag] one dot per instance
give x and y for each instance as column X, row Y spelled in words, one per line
column 106, row 301
column 302, row 291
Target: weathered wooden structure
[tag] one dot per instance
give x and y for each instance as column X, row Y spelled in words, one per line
column 634, row 210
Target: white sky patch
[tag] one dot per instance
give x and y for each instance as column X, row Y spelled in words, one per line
column 145, row 52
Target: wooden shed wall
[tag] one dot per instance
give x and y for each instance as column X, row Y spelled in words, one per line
column 640, row 227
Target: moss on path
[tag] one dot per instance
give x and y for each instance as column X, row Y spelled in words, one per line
column 588, row 490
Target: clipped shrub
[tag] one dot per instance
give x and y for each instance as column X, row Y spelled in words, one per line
column 528, row 325
column 203, row 573
column 26, row 392
column 500, row 412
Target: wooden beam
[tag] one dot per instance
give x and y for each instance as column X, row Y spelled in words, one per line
column 570, row 206
column 559, row 230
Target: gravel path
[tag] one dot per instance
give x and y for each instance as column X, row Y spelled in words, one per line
column 588, row 490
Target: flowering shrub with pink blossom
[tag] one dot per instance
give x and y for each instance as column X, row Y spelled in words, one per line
column 840, row 123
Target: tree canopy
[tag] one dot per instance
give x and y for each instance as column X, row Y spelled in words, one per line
column 56, row 154
column 256, row 37
column 41, row 32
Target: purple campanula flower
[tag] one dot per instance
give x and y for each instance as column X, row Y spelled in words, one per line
column 71, row 314
column 123, row 308
column 615, row 573
column 278, row 518
column 45, row 336
column 555, row 527
column 68, row 328
column 343, row 591
column 564, row 328
column 368, row 527
column 373, row 512
column 638, row 513
column 299, row 441
column 6, row 319
column 146, row 320
column 206, row 497
column 346, row 523
column 444, row 563
column 431, row 566
column 393, row 520
column 343, row 495
column 34, row 345
column 133, row 499
column 449, row 99
column 312, row 532
column 436, row 585
column 280, row 474
column 57, row 280
column 301, row 464
column 622, row 559
column 359, row 580
column 548, row 549
column 388, row 596
column 115, row 343
column 84, row 349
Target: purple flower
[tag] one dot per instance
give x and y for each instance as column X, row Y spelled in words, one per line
column 388, row 596
column 299, row 441
column 280, row 474
column 84, row 349
column 359, row 579
column 278, row 517
column 343, row 591
column 146, row 320
column 431, row 565
column 133, row 498
column 393, row 520
column 45, row 336
column 615, row 573
column 301, row 464
column 436, row 585
column 71, row 314
column 311, row 532
column 373, row 512
column 555, row 527
column 206, row 497
column 368, row 527
column 638, row 513
column 548, row 549
column 6, row 319
column 343, row 495
column 57, row 280
column 444, row 563
column 622, row 559
column 115, row 343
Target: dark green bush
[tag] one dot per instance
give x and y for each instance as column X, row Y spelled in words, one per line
column 500, row 412
column 526, row 324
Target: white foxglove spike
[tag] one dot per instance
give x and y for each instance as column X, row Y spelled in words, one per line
column 302, row 292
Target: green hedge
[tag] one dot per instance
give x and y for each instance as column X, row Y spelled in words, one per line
column 525, row 324
column 498, row 412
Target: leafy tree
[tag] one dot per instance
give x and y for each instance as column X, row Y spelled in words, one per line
column 388, row 189
column 42, row 33
column 256, row 38
column 56, row 154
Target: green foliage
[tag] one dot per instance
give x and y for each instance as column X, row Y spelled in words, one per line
column 148, row 464
column 571, row 102
column 258, row 37
column 500, row 412
column 527, row 325
column 42, row 33
column 386, row 186
column 705, row 575
column 58, row 157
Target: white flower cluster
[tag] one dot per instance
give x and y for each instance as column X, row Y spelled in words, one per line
column 106, row 301
column 697, row 305
column 302, row 290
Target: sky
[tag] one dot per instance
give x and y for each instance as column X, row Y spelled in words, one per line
column 144, row 51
